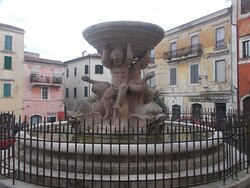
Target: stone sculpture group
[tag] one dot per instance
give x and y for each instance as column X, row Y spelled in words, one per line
column 128, row 97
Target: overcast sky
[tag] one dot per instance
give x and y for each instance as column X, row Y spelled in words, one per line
column 54, row 28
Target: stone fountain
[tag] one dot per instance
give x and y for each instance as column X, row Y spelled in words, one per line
column 55, row 155
column 124, row 47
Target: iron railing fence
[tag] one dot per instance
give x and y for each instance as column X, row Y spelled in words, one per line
column 188, row 151
column 191, row 51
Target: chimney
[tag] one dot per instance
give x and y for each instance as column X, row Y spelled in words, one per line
column 84, row 53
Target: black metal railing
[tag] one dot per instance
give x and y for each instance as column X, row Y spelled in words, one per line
column 182, row 153
column 220, row 44
column 36, row 78
column 186, row 52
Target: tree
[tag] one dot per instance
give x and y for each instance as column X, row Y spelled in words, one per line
column 158, row 100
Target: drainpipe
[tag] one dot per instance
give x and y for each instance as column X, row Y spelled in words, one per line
column 237, row 54
column 238, row 76
column 89, row 76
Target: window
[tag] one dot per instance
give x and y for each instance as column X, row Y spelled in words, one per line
column 151, row 82
column 86, row 69
column 45, row 93
column 194, row 43
column 75, row 92
column 75, row 71
column 86, row 91
column 152, row 56
column 51, row 119
column 67, row 72
column 173, row 76
column 176, row 111
column 220, row 38
column 197, row 110
column 35, row 119
column 8, row 43
column 246, row 49
column 220, row 71
column 245, row 6
column 67, row 93
column 6, row 90
column 221, row 110
column 173, row 49
column 7, row 62
column 194, row 73
column 98, row 69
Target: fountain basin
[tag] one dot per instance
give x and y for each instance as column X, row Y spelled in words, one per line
column 143, row 36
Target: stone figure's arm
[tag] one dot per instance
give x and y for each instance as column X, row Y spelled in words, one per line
column 129, row 58
column 106, row 57
column 144, row 60
column 87, row 79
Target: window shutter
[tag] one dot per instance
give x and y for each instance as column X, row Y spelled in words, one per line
column 220, row 71
column 85, row 91
column 194, row 73
column 7, row 90
column 8, row 43
column 98, row 69
column 7, row 62
column 173, row 76
column 247, row 6
column 86, row 69
column 244, row 49
column 242, row 6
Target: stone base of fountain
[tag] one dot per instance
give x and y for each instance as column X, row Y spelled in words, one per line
column 134, row 164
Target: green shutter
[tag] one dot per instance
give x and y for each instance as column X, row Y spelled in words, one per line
column 8, row 43
column 6, row 90
column 7, row 62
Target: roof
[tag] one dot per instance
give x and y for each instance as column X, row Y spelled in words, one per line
column 210, row 17
column 10, row 27
column 96, row 55
column 44, row 61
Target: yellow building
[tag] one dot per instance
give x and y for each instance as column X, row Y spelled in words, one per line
column 193, row 65
column 11, row 68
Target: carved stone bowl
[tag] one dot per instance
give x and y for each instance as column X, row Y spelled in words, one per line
column 143, row 36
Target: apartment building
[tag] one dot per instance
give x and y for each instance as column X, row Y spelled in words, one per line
column 241, row 14
column 11, row 69
column 89, row 65
column 43, row 89
column 194, row 65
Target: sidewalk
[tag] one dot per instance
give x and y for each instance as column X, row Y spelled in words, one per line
column 243, row 181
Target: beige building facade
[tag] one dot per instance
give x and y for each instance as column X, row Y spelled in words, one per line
column 11, row 68
column 194, row 66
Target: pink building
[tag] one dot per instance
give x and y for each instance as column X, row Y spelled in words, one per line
column 43, row 89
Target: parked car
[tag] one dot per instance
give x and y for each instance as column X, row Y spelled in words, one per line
column 6, row 141
column 185, row 120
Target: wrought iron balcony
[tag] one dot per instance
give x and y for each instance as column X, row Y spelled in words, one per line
column 183, row 53
column 220, row 44
column 37, row 79
column 57, row 80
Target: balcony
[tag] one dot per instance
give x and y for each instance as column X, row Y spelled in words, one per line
column 220, row 44
column 40, row 80
column 182, row 54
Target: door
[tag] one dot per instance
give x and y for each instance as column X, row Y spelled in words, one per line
column 220, row 110
column 176, row 111
column 246, row 105
column 197, row 110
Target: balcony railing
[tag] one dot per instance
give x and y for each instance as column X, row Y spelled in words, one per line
column 220, row 44
column 37, row 79
column 184, row 53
